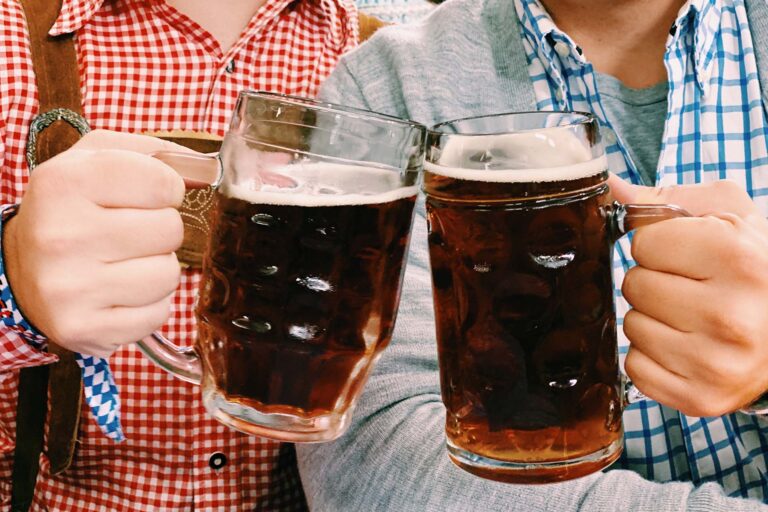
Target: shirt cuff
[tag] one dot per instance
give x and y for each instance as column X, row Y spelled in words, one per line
column 20, row 344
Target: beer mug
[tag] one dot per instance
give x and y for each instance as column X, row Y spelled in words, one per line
column 302, row 273
column 521, row 232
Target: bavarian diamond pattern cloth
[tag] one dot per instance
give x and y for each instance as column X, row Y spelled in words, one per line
column 98, row 384
column 101, row 394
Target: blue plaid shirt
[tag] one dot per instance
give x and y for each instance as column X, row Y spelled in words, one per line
column 715, row 128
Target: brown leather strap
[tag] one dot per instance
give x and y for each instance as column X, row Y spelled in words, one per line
column 57, row 75
column 30, row 420
column 56, row 72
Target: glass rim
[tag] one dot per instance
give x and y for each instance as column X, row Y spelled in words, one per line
column 586, row 119
column 327, row 106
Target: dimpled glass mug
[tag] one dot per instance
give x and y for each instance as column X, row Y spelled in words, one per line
column 302, row 273
column 521, row 232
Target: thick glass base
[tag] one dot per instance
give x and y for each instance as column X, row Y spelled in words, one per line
column 278, row 426
column 534, row 472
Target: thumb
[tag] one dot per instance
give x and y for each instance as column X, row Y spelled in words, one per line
column 716, row 197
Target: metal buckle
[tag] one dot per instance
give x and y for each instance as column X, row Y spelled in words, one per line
column 43, row 121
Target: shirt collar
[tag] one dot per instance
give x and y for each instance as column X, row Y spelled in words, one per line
column 702, row 19
column 76, row 13
column 552, row 44
column 73, row 15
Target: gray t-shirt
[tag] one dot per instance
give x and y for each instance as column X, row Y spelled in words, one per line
column 637, row 116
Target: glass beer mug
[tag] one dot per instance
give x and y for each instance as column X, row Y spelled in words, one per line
column 521, row 232
column 301, row 277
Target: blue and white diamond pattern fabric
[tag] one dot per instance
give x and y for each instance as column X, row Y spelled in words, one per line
column 98, row 384
column 715, row 128
column 101, row 394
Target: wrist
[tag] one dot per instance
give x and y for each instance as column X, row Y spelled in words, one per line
column 11, row 316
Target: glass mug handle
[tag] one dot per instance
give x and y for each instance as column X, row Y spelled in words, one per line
column 198, row 171
column 623, row 218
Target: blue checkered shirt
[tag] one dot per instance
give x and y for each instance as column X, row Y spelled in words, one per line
column 715, row 128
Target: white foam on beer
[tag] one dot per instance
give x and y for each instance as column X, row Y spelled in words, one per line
column 518, row 157
column 322, row 184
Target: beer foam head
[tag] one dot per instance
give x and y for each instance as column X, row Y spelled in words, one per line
column 320, row 184
column 553, row 155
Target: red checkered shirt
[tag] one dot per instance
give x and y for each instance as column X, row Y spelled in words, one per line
column 145, row 67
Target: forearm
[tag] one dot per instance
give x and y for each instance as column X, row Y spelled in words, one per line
column 400, row 463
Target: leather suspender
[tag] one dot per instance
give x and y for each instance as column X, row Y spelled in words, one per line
column 56, row 72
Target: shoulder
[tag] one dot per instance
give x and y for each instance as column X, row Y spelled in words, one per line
column 401, row 66
column 18, row 77
column 12, row 23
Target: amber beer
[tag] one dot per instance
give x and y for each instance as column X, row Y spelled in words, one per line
column 300, row 291
column 521, row 269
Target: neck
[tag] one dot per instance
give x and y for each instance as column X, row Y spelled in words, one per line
column 224, row 19
column 622, row 38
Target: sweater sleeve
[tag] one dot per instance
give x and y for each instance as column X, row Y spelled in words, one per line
column 393, row 457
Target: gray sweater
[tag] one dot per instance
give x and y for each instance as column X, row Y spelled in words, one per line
column 466, row 59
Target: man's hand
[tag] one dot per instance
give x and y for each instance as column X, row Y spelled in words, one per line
column 699, row 323
column 90, row 254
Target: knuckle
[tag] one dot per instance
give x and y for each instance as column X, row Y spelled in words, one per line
column 630, row 366
column 57, row 288
column 69, row 330
column 175, row 228
column 631, row 328
column 55, row 177
column 159, row 313
column 168, row 187
column 729, row 190
column 52, row 240
column 744, row 257
column 709, row 404
column 641, row 241
column 173, row 272
column 93, row 136
column 629, row 285
column 727, row 371
column 732, row 326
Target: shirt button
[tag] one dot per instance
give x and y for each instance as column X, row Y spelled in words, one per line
column 217, row 461
column 609, row 136
column 562, row 49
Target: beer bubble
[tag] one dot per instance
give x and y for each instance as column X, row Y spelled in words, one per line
column 264, row 219
column 553, row 237
column 268, row 270
column 553, row 261
column 259, row 326
column 559, row 358
column 319, row 184
column 563, row 384
column 304, row 332
column 482, row 268
column 517, row 158
column 316, row 284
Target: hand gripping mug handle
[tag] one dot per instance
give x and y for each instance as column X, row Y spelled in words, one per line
column 198, row 171
column 623, row 218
